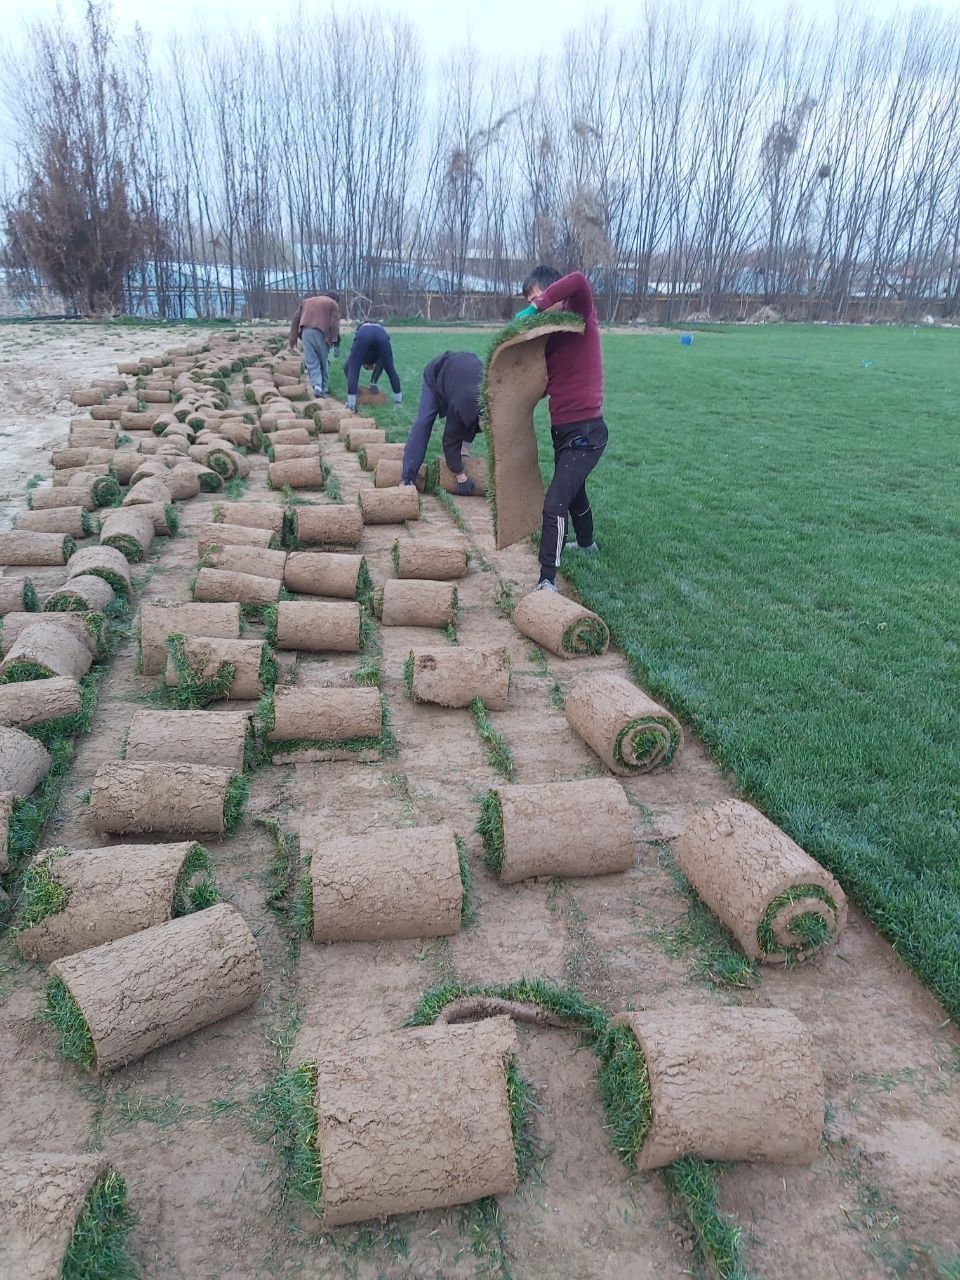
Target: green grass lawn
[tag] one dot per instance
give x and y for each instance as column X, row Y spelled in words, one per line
column 780, row 536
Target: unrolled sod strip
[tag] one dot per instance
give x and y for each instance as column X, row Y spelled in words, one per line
column 260, row 561
column 57, row 1210
column 72, row 901
column 232, row 535
column 219, row 585
column 252, row 515
column 107, row 563
column 207, row 655
column 558, row 829
column 383, row 884
column 416, row 603
column 317, row 627
column 80, row 594
column 456, row 676
column 216, row 738
column 24, row 762
column 389, row 506
column 324, row 573
column 330, row 525
column 628, row 731
column 24, row 547
column 298, row 473
column 74, row 522
column 415, row 1120
column 561, row 625
column 436, row 561
column 134, row 797
column 45, row 649
column 128, row 530
column 158, row 621
column 718, row 1083
column 774, row 898
column 149, row 989
column 318, row 714
column 31, row 702
column 17, row 595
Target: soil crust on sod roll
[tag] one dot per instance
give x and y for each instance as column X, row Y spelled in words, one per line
column 128, row 530
column 323, row 573
column 110, row 893
column 729, row 1084
column 312, row 626
column 81, row 624
column 250, row 515
column 409, row 602
column 154, row 987
column 741, row 864
column 133, row 797
column 41, row 1198
column 207, row 654
column 318, row 714
column 69, row 521
column 383, row 884
column 218, row 586
column 46, row 648
column 78, row 495
column 24, row 762
column 330, row 525
column 29, row 702
column 215, row 738
column 298, row 473
column 566, row 829
column 85, row 592
column 261, row 562
column 561, row 625
column 415, row 1120
column 390, row 506
column 628, row 730
column 157, row 622
column 436, row 561
column 15, row 595
column 105, row 562
column 24, row 547
column 231, row 535
column 456, row 676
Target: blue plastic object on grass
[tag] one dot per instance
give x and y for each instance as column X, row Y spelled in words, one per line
column 686, row 339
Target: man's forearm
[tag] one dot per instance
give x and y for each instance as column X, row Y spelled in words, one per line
column 295, row 327
column 574, row 290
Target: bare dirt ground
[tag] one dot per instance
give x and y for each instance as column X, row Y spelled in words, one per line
column 880, row 1201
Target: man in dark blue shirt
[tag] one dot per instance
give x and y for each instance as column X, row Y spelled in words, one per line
column 371, row 349
column 451, row 386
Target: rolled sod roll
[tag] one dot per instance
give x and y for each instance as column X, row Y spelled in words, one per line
column 390, row 506
column 475, row 469
column 561, row 625
column 183, row 483
column 165, row 517
column 128, row 530
column 298, row 473
column 17, row 595
column 24, row 547
column 154, row 395
column 628, row 731
column 221, row 458
column 86, row 396
column 292, row 452
column 350, row 422
column 50, row 499
column 247, row 434
column 80, row 594
column 291, row 435
column 56, row 1209
column 124, row 465
column 328, row 421
column 558, row 829
column 88, row 627
column 158, row 621
column 74, row 901
column 778, row 903
column 324, row 715
column 245, row 559
column 384, row 884
column 723, row 1084
column 410, row 602
column 436, row 561
column 66, row 458
column 454, row 677
column 231, row 535
column 356, row 440
column 92, row 436
column 216, row 738
column 43, row 650
column 134, row 797
column 139, row 421
column 418, row 1119
column 153, row 987
column 315, row 627
column 70, row 477
column 369, row 455
column 217, row 585
column 388, row 475
column 24, row 762
column 103, row 562
column 31, row 702
column 251, row 515
column 325, row 573
column 152, row 489
column 74, row 522
column 329, row 525
column 206, row 657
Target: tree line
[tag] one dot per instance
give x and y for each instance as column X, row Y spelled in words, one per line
column 813, row 166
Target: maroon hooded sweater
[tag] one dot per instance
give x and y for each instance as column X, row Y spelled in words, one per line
column 574, row 363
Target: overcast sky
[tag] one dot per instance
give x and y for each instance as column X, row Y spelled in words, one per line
column 511, row 27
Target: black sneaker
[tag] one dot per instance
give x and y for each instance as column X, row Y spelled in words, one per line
column 466, row 487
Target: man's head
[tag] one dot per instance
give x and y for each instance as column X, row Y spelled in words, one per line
column 370, row 364
column 328, row 293
column 540, row 278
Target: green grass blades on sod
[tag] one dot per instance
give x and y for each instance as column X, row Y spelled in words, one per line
column 30, row 815
column 624, row 1090
column 196, row 888
column 810, row 929
column 498, row 753
column 238, row 792
column 41, row 895
column 715, row 1237
column 287, row 1114
column 468, row 914
column 76, row 1042
column 490, row 830
column 97, row 1249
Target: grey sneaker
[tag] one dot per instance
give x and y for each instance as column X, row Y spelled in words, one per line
column 592, row 550
column 466, row 487
column 546, row 585
column 319, row 392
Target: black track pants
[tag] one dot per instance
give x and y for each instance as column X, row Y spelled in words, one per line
column 576, row 452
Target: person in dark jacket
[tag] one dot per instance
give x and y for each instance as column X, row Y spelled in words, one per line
column 575, row 392
column 371, row 349
column 317, row 325
column 451, row 386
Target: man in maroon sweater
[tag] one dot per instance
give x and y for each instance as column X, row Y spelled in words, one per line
column 575, row 391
